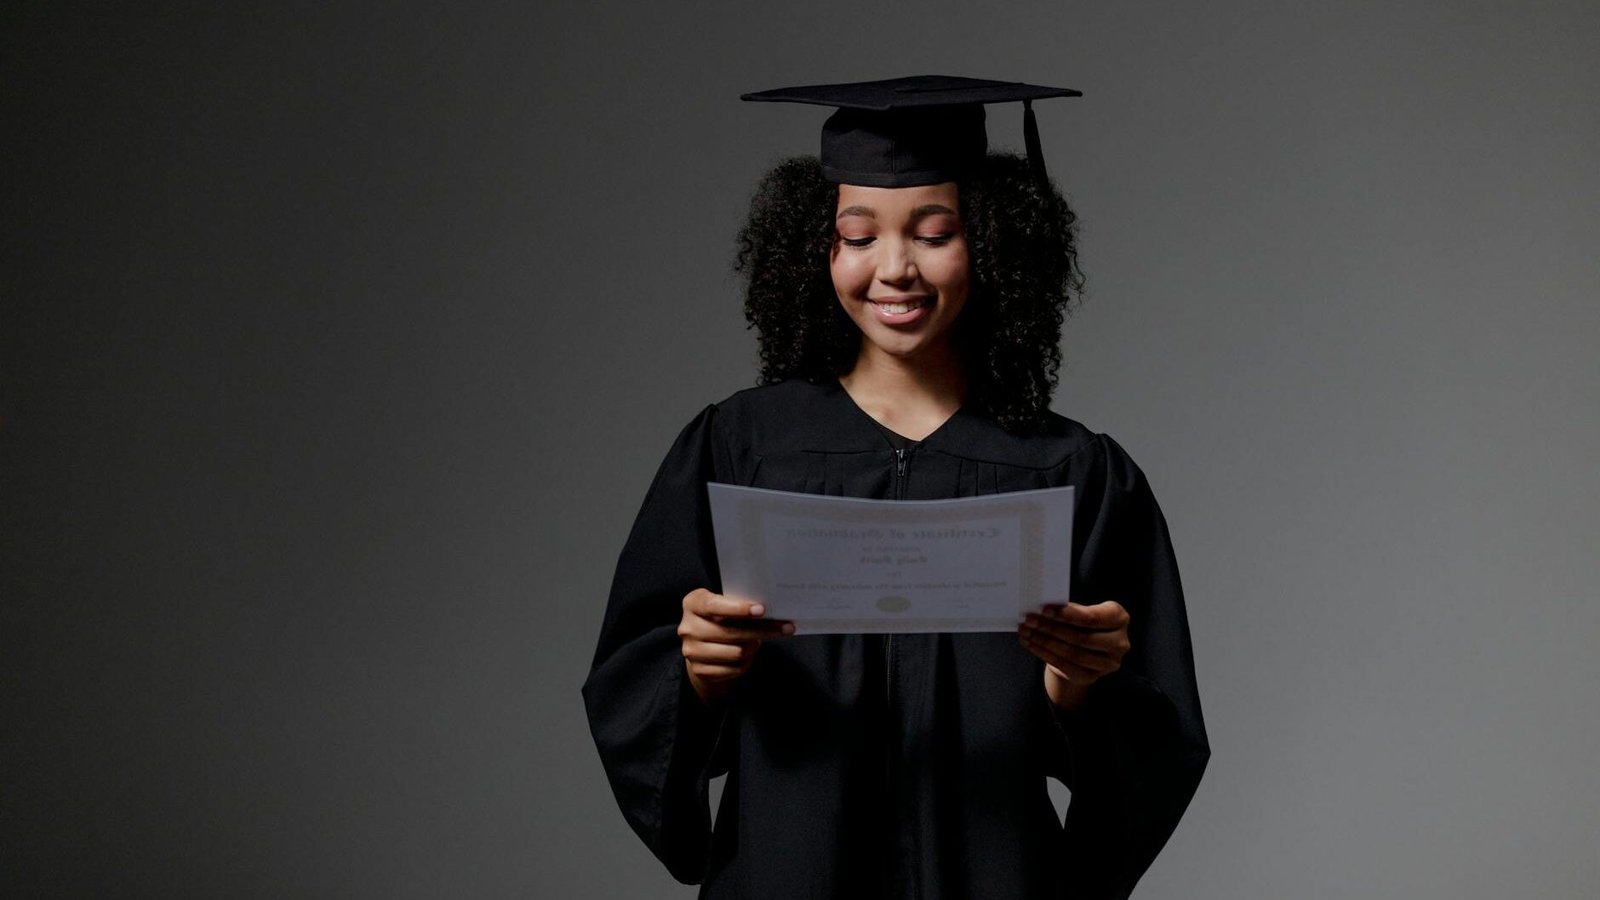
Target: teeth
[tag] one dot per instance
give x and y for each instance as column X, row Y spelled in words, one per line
column 899, row 309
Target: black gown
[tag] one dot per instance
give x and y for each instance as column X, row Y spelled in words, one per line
column 907, row 765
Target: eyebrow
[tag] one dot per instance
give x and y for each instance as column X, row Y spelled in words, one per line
column 927, row 209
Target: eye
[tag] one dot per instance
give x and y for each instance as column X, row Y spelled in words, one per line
column 936, row 240
column 855, row 242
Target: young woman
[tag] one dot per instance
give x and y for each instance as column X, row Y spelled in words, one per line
column 908, row 289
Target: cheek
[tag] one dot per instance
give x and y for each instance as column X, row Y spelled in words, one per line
column 950, row 271
column 850, row 272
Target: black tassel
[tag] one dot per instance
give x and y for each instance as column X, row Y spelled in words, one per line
column 1030, row 137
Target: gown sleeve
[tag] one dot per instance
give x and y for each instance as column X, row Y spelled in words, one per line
column 1136, row 748
column 658, row 742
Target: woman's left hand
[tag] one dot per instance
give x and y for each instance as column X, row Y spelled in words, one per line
column 1079, row 645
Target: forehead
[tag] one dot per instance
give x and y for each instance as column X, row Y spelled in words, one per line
column 889, row 201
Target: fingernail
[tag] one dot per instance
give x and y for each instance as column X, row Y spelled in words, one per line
column 788, row 628
column 758, row 610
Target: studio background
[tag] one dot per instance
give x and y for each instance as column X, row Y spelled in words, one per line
column 341, row 343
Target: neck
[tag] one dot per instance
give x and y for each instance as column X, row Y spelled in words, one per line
column 911, row 397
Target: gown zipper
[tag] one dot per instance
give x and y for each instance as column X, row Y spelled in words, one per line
column 902, row 458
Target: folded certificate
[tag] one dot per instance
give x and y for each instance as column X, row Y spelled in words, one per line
column 836, row 565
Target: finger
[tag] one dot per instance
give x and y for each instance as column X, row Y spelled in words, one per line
column 713, row 672
column 724, row 606
column 763, row 629
column 1076, row 675
column 1057, row 647
column 702, row 602
column 1074, row 668
column 1107, row 616
column 712, row 631
column 1066, row 655
column 1113, row 643
column 714, row 653
column 734, row 630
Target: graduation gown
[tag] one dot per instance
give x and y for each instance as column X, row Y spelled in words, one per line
column 907, row 765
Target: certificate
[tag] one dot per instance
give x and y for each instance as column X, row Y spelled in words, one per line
column 837, row 565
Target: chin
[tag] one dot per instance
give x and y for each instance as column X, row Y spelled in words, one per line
column 904, row 350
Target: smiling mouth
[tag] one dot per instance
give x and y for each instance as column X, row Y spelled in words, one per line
column 901, row 307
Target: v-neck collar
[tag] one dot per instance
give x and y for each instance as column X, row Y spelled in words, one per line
column 879, row 428
column 830, row 421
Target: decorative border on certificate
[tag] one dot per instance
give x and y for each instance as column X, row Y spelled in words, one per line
column 838, row 565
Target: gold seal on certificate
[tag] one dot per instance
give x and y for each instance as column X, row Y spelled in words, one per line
column 838, row 565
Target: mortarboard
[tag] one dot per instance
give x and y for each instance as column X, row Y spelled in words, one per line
column 902, row 132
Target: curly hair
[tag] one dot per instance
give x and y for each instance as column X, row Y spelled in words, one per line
column 1022, row 246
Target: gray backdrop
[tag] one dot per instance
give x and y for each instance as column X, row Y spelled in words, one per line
column 340, row 346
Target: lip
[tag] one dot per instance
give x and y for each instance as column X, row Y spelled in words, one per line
column 901, row 318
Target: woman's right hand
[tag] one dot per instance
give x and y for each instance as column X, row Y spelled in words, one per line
column 720, row 635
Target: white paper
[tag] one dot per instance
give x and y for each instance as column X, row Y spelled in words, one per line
column 838, row 565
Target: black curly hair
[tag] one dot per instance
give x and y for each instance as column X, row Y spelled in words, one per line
column 1022, row 245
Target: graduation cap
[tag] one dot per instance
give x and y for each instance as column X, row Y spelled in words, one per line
column 902, row 132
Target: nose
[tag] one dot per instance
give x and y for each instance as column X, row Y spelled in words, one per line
column 896, row 264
